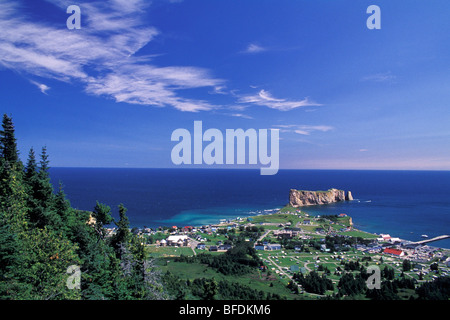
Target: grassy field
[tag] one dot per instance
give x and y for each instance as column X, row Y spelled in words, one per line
column 280, row 262
column 277, row 218
column 255, row 280
column 157, row 252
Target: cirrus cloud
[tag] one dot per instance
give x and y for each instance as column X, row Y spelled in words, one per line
column 264, row 98
column 303, row 129
column 102, row 55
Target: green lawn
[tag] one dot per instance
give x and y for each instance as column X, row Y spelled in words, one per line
column 256, row 280
column 156, row 251
column 276, row 218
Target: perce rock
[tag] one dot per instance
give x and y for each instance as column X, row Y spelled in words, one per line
column 300, row 198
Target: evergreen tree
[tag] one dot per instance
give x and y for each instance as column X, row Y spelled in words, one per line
column 102, row 216
column 122, row 235
column 61, row 204
column 8, row 144
column 11, row 284
column 13, row 198
column 406, row 265
column 46, row 257
column 45, row 192
column 31, row 167
column 41, row 195
column 41, row 235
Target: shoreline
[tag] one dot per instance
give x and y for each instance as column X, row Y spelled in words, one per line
column 278, row 211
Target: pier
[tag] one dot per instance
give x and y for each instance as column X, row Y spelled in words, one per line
column 445, row 236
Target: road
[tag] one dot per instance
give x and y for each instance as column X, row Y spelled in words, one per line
column 193, row 245
column 264, row 235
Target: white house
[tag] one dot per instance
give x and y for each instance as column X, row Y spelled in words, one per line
column 178, row 240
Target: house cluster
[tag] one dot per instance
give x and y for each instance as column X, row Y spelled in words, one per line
column 396, row 247
column 218, row 248
column 286, row 233
column 388, row 238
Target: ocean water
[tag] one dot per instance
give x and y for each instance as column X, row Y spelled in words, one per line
column 405, row 204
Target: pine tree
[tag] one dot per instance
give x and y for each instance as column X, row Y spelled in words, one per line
column 61, row 204
column 122, row 235
column 41, row 194
column 10, row 167
column 8, row 144
column 11, row 265
column 41, row 236
column 102, row 216
column 8, row 248
column 31, row 167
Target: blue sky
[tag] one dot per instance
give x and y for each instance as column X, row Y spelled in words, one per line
column 343, row 97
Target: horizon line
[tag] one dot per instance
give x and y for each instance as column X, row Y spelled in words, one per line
column 255, row 169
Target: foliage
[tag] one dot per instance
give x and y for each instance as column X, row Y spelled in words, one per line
column 239, row 260
column 208, row 289
column 41, row 235
column 438, row 289
column 314, row 283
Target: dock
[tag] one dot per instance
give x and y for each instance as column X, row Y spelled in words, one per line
column 445, row 236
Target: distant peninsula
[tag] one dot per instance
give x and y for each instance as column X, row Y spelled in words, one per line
column 300, row 198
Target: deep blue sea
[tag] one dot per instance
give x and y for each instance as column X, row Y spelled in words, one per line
column 405, row 204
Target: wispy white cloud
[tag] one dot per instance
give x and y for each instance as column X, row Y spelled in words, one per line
column 264, row 98
column 254, row 48
column 304, row 129
column 241, row 115
column 102, row 55
column 380, row 77
column 43, row 87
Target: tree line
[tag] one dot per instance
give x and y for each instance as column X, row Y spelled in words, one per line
column 239, row 260
column 41, row 236
column 211, row 289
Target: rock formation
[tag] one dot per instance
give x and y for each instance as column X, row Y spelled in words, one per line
column 300, row 198
column 349, row 196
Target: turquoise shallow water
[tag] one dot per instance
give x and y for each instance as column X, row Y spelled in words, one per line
column 405, row 204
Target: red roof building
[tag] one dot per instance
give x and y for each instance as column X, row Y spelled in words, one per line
column 395, row 252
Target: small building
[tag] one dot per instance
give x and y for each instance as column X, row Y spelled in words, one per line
column 395, row 240
column 394, row 252
column 285, row 234
column 178, row 240
column 224, row 247
column 259, row 247
column 201, row 246
column 273, row 246
column 213, row 248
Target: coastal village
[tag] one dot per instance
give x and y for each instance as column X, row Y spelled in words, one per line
column 290, row 241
